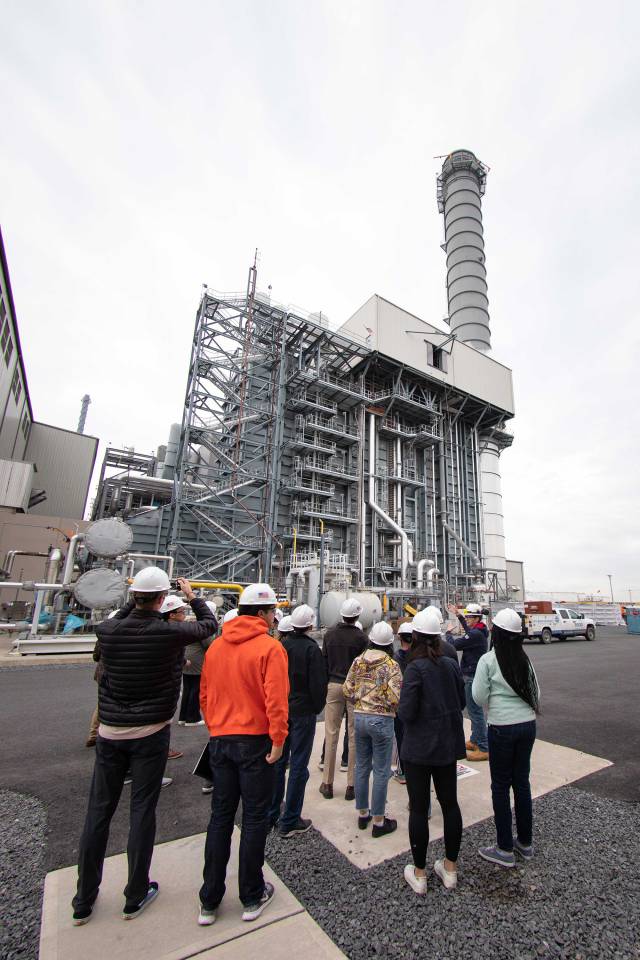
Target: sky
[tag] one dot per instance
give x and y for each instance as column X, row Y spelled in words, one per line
column 150, row 147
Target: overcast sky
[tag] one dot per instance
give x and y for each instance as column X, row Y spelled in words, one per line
column 148, row 147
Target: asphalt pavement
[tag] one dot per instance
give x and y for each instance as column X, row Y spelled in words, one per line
column 589, row 703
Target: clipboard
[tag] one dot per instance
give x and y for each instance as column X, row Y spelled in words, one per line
column 202, row 767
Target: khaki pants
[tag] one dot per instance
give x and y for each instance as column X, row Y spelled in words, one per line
column 333, row 713
column 93, row 726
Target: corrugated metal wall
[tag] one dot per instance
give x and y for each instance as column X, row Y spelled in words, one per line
column 64, row 461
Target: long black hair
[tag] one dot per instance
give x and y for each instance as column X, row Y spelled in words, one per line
column 515, row 666
column 426, row 646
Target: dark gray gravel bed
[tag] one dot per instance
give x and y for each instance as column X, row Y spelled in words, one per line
column 22, row 869
column 579, row 898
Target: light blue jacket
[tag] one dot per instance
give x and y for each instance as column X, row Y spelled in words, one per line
column 490, row 687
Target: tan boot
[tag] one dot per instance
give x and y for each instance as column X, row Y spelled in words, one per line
column 477, row 755
column 470, row 745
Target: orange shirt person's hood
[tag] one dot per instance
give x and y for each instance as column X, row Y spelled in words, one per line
column 243, row 628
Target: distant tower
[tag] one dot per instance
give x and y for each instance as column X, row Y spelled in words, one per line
column 461, row 186
column 86, row 400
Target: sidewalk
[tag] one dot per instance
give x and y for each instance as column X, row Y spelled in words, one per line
column 168, row 930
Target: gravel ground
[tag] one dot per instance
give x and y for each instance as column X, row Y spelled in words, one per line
column 579, row 899
column 22, row 871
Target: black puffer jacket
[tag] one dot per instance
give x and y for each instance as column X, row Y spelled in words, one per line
column 307, row 675
column 431, row 705
column 142, row 656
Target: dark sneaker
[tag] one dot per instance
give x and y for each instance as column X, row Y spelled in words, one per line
column 523, row 851
column 349, row 794
column 326, row 789
column 132, row 910
column 300, row 827
column 82, row 916
column 387, row 826
column 363, row 822
column 208, row 788
column 344, row 766
column 253, row 911
column 503, row 858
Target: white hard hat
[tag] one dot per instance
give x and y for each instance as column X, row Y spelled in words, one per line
column 278, row 614
column 172, row 603
column 351, row 608
column 474, row 609
column 151, row 580
column 285, row 625
column 508, row 620
column 213, row 607
column 302, row 617
column 382, row 634
column 112, row 614
column 433, row 609
column 406, row 627
column 257, row 595
column 358, row 625
column 426, row 621
column 230, row 615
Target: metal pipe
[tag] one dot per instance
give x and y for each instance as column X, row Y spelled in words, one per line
column 433, row 572
column 67, row 573
column 406, row 552
column 154, row 556
column 12, row 554
column 420, row 572
column 463, row 545
column 30, row 585
column 52, row 569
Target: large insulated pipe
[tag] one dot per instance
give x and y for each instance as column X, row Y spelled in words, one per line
column 467, row 549
column 406, row 548
column 461, row 186
column 492, row 515
column 420, row 570
column 171, row 456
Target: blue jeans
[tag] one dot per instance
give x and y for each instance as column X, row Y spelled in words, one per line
column 296, row 752
column 476, row 715
column 240, row 770
column 374, row 746
column 510, row 749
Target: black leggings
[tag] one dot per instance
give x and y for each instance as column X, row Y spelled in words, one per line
column 419, row 788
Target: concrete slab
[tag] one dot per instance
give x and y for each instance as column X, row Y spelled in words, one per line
column 297, row 936
column 552, row 766
column 168, row 929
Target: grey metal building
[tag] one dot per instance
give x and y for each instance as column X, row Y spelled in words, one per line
column 378, row 441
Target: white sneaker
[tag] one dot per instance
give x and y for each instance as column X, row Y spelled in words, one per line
column 321, row 765
column 206, row 917
column 449, row 880
column 417, row 884
column 253, row 911
column 166, row 781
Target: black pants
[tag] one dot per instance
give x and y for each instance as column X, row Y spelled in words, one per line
column 398, row 729
column 190, row 703
column 240, row 771
column 419, row 789
column 146, row 759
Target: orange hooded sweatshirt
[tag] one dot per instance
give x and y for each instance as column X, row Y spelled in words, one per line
column 244, row 687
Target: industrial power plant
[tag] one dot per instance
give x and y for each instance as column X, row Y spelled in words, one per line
column 363, row 459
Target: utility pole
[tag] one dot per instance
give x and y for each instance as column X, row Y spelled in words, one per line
column 611, row 586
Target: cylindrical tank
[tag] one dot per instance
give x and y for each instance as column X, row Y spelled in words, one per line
column 171, row 456
column 460, row 188
column 333, row 600
column 492, row 513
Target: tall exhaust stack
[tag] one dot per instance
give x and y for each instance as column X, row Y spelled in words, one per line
column 461, row 186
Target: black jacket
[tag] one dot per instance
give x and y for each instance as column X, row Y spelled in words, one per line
column 342, row 644
column 307, row 675
column 431, row 705
column 142, row 656
column 473, row 644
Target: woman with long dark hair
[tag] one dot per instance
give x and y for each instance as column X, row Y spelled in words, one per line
column 431, row 704
column 506, row 682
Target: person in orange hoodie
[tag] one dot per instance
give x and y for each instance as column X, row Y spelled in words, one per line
column 244, row 698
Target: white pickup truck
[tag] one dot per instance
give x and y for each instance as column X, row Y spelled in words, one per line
column 561, row 622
